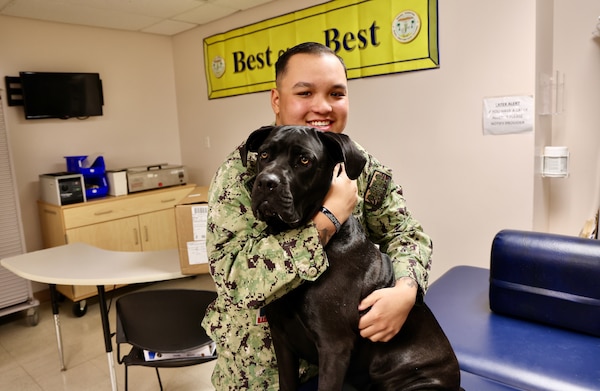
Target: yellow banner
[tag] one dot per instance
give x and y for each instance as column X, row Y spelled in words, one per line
column 374, row 37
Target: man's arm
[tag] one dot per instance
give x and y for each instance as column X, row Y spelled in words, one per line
column 401, row 237
column 251, row 266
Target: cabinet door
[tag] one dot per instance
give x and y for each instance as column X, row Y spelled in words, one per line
column 52, row 224
column 158, row 230
column 117, row 235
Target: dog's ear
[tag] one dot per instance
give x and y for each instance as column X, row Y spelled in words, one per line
column 343, row 149
column 254, row 142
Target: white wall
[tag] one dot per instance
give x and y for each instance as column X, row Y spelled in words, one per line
column 577, row 57
column 543, row 129
column 463, row 186
column 139, row 125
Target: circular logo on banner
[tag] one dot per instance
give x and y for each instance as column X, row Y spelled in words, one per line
column 218, row 66
column 406, row 26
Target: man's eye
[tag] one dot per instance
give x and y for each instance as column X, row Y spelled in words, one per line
column 264, row 155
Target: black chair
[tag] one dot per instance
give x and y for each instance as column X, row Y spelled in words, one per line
column 166, row 322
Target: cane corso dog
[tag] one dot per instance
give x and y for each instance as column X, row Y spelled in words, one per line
column 318, row 321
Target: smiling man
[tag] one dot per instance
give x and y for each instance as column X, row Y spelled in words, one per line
column 312, row 90
column 252, row 267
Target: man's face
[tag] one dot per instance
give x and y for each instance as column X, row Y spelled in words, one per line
column 312, row 92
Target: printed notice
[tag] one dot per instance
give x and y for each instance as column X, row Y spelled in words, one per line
column 509, row 114
column 197, row 249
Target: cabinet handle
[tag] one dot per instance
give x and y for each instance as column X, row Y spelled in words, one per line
column 135, row 236
column 50, row 212
column 103, row 212
column 169, row 200
column 146, row 233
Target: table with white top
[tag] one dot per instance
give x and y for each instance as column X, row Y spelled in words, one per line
column 82, row 264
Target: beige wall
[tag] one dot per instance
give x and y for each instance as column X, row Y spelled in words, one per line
column 577, row 56
column 463, row 186
column 543, row 129
column 139, row 125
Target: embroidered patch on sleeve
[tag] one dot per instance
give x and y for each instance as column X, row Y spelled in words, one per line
column 377, row 188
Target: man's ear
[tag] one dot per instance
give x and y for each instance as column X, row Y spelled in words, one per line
column 343, row 149
column 275, row 101
column 254, row 142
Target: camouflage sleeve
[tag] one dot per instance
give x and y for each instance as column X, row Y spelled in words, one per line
column 250, row 266
column 391, row 225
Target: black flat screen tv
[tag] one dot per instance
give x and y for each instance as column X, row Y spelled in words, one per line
column 61, row 95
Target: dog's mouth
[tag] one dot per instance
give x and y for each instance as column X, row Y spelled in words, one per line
column 272, row 214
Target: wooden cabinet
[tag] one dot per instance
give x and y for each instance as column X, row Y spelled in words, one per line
column 153, row 227
column 136, row 222
column 121, row 234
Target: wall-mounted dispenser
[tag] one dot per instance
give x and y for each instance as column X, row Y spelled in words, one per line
column 555, row 162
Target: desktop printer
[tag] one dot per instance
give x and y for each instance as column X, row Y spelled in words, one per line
column 155, row 176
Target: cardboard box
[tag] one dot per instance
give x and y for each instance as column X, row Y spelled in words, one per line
column 190, row 218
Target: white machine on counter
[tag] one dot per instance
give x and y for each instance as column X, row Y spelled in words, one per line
column 62, row 188
column 155, row 176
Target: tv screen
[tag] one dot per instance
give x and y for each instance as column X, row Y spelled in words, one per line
column 61, row 95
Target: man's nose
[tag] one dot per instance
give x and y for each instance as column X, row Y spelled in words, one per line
column 320, row 104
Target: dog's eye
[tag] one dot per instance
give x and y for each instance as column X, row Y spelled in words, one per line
column 264, row 155
column 304, row 160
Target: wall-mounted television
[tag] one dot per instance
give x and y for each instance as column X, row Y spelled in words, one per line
column 61, row 95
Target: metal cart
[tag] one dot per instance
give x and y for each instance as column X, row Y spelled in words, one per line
column 16, row 295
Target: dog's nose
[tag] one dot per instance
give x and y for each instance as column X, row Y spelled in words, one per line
column 267, row 181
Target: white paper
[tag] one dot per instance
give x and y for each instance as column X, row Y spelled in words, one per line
column 199, row 216
column 204, row 351
column 508, row 114
column 197, row 252
column 197, row 249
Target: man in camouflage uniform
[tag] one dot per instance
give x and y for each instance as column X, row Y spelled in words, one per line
column 252, row 267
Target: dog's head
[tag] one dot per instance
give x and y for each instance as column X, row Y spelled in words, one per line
column 294, row 171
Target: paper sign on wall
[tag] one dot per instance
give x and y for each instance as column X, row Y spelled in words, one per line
column 508, row 114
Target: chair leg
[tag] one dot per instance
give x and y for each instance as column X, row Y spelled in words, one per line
column 159, row 382
column 126, row 382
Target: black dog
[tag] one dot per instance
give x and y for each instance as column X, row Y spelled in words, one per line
column 319, row 321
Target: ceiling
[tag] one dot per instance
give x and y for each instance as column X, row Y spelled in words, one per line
column 165, row 17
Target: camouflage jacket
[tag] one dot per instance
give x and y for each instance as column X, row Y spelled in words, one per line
column 252, row 268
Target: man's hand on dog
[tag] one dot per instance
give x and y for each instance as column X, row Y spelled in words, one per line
column 340, row 200
column 389, row 310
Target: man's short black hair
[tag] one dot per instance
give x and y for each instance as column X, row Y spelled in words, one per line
column 302, row 48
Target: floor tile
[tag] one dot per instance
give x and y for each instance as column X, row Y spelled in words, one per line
column 29, row 359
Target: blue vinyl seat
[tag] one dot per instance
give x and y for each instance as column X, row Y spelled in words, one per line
column 495, row 350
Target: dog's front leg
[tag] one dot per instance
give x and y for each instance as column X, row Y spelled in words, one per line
column 333, row 364
column 288, row 363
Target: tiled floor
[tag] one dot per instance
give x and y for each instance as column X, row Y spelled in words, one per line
column 29, row 356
